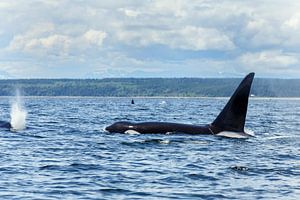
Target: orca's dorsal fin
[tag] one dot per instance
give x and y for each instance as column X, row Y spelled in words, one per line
column 233, row 115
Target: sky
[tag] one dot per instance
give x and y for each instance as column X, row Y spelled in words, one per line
column 149, row 38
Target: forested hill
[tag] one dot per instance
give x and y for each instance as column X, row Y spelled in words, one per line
column 122, row 87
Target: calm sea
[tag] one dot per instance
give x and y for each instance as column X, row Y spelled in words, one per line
column 65, row 154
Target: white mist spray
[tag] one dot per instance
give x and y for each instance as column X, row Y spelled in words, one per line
column 18, row 113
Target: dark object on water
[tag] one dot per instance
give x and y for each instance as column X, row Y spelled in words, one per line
column 229, row 123
column 132, row 101
column 4, row 124
column 239, row 168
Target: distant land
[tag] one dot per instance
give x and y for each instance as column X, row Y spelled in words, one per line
column 133, row 87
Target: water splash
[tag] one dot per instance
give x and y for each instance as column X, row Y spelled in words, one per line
column 18, row 113
column 249, row 132
column 162, row 103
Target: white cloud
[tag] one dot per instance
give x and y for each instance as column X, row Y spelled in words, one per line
column 50, row 45
column 255, row 35
column 95, row 37
column 197, row 38
column 129, row 12
column 270, row 64
column 293, row 22
column 260, row 32
column 17, row 69
column 269, row 58
column 43, row 43
column 175, row 8
column 187, row 38
column 7, row 4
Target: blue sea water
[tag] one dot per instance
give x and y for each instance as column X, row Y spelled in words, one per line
column 65, row 154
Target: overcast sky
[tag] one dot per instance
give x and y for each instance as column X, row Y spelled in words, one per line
column 149, row 38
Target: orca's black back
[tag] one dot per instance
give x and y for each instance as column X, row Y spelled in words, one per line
column 4, row 124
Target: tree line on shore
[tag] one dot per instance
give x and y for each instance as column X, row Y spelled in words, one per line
column 165, row 87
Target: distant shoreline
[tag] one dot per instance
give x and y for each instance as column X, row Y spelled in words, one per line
column 143, row 97
column 148, row 87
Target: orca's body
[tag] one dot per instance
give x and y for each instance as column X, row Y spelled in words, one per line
column 6, row 125
column 231, row 119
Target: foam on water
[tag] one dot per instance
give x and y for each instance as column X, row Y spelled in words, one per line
column 163, row 103
column 104, row 129
column 249, row 132
column 18, row 113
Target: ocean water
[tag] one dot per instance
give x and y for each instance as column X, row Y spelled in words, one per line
column 64, row 153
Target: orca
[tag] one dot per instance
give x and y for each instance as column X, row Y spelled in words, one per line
column 6, row 125
column 229, row 123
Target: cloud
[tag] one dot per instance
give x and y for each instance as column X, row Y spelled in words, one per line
column 270, row 63
column 187, row 38
column 17, row 69
column 204, row 36
column 41, row 42
column 130, row 12
column 94, row 37
column 272, row 59
column 293, row 22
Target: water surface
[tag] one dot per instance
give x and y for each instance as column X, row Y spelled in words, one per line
column 65, row 154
